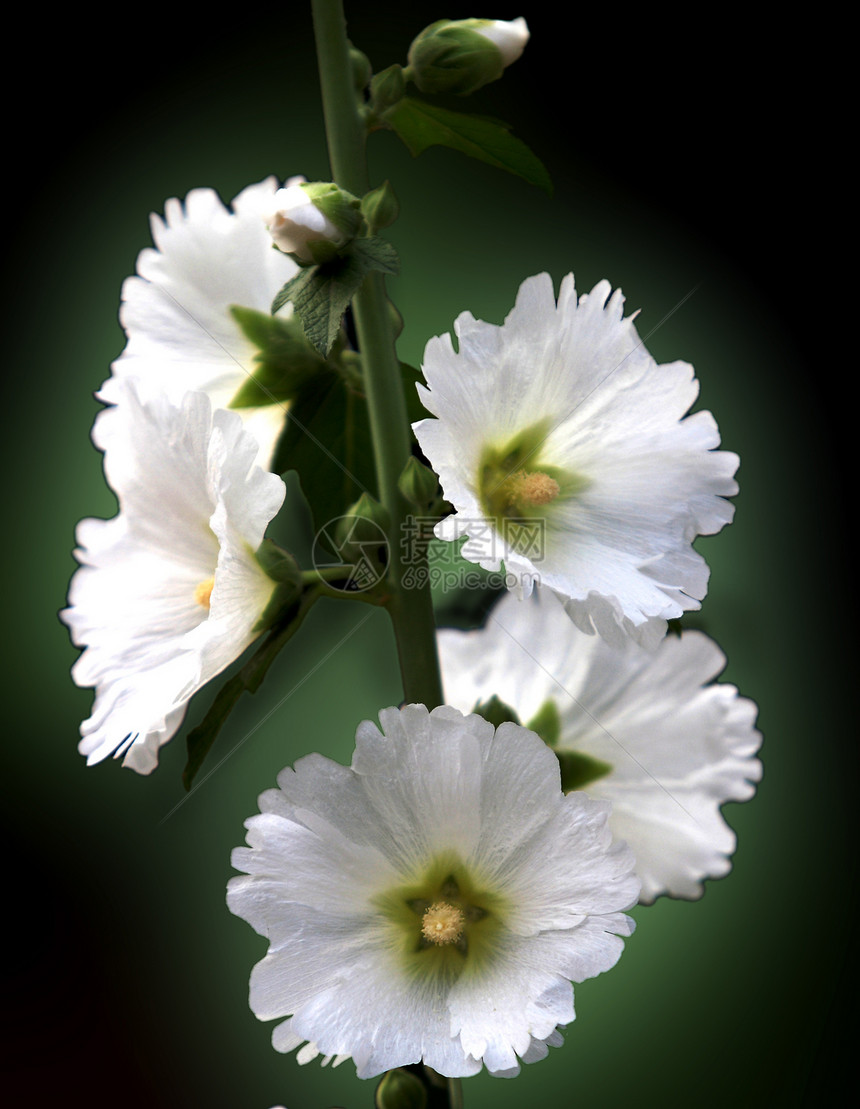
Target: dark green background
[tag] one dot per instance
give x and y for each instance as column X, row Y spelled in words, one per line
column 684, row 157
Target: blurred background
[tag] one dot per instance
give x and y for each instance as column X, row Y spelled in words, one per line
column 687, row 155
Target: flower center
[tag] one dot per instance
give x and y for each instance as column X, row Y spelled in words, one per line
column 203, row 592
column 517, row 489
column 528, row 490
column 443, row 923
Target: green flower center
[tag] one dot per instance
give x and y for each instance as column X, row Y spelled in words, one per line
column 517, row 489
column 445, row 923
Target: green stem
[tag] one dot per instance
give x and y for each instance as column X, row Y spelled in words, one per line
column 410, row 609
column 455, row 1093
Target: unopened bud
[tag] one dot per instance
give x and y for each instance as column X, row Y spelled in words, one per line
column 313, row 221
column 380, row 207
column 400, row 1090
column 418, row 484
column 462, row 55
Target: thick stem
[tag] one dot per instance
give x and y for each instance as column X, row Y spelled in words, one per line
column 411, row 609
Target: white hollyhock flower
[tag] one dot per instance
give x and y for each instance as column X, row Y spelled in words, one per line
column 176, row 310
column 561, row 444
column 670, row 748
column 169, row 592
column 433, row 901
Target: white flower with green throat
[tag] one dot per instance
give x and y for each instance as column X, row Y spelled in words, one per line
column 566, row 453
column 169, row 592
column 434, row 901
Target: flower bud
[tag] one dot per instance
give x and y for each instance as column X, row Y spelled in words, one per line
column 461, row 56
column 400, row 1090
column 418, row 484
column 313, row 222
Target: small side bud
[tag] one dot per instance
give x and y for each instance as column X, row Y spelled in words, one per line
column 418, row 484
column 380, row 207
column 361, row 68
column 463, row 55
column 387, row 88
column 313, row 221
column 400, row 1090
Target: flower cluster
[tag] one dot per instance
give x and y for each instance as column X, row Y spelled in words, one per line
column 169, row 592
column 436, row 901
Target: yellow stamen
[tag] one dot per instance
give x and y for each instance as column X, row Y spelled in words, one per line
column 203, row 592
column 528, row 490
column 443, row 923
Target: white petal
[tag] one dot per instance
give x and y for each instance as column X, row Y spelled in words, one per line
column 176, row 311
column 678, row 746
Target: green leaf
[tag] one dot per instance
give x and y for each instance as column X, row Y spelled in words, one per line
column 285, row 359
column 579, row 770
column 421, row 125
column 199, row 741
column 321, row 295
column 327, row 441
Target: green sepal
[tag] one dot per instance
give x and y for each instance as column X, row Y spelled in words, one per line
column 418, row 483
column 284, row 362
column 338, row 206
column 579, row 770
column 421, row 125
column 380, row 207
column 282, row 568
column 277, row 563
column 496, row 711
column 400, row 1090
column 320, row 295
column 547, row 723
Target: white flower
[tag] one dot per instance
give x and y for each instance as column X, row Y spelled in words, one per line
column 433, row 901
column 312, row 221
column 509, row 35
column 169, row 592
column 176, row 311
column 560, row 443
column 673, row 747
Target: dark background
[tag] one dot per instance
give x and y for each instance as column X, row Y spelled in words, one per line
column 688, row 151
